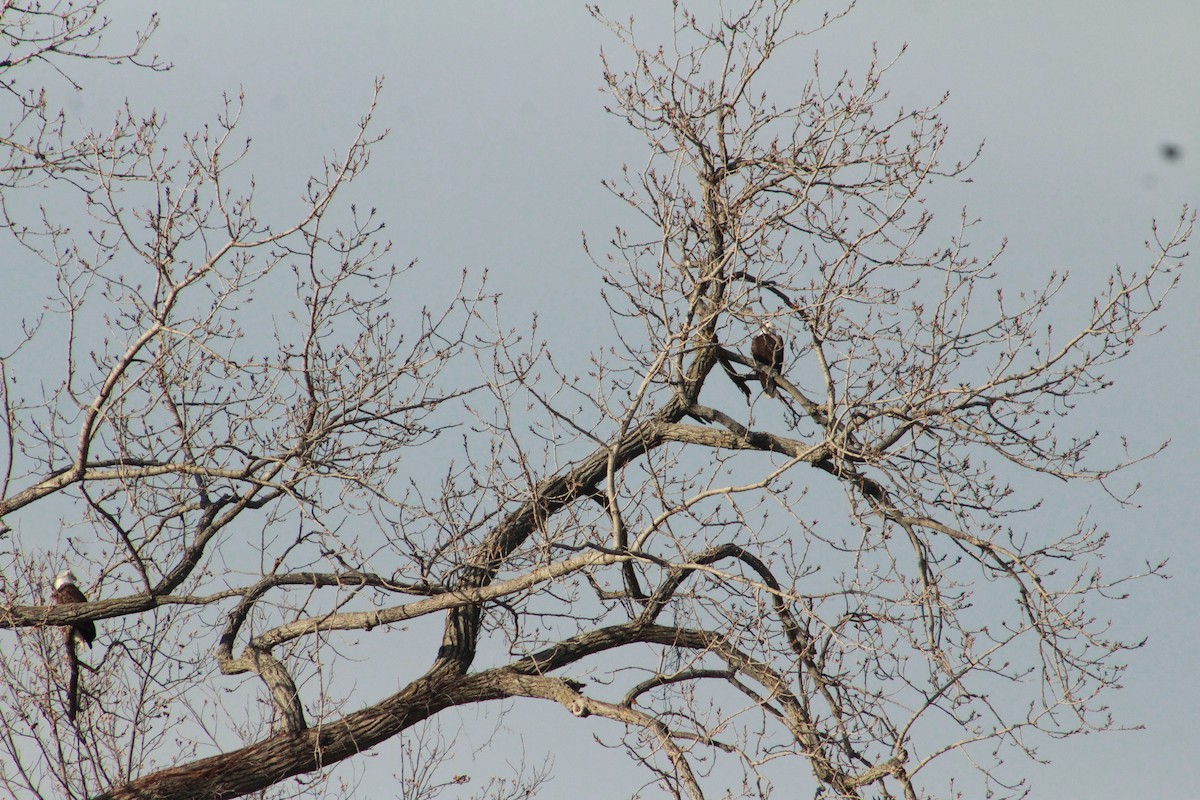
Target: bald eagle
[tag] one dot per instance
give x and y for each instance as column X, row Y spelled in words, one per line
column 66, row 592
column 767, row 350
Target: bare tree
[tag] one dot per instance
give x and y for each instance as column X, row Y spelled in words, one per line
column 260, row 460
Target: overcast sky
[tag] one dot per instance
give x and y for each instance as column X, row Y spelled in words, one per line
column 499, row 142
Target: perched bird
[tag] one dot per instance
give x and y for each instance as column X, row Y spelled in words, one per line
column 66, row 592
column 767, row 350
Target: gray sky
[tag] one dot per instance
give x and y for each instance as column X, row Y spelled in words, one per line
column 499, row 142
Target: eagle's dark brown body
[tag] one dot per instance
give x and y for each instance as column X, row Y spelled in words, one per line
column 767, row 349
